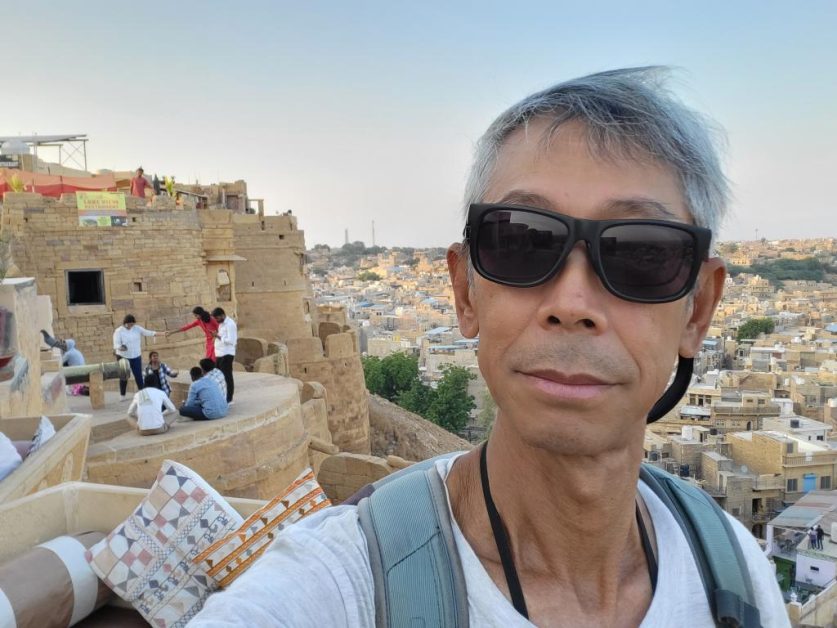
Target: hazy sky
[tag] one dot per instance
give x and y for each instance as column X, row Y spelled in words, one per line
column 349, row 112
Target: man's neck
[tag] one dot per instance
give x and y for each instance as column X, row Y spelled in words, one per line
column 571, row 524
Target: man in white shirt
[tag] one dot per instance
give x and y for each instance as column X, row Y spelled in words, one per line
column 127, row 343
column 151, row 411
column 225, row 340
column 587, row 271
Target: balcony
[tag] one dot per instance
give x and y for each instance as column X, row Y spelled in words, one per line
column 809, row 459
column 769, row 483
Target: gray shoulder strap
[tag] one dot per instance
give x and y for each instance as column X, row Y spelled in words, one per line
column 717, row 552
column 415, row 565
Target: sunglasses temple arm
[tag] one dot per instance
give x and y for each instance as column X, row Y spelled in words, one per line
column 675, row 392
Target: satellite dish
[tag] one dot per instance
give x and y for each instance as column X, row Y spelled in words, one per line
column 744, row 468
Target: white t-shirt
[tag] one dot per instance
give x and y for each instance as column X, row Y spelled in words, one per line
column 317, row 573
column 132, row 339
column 227, row 338
column 147, row 407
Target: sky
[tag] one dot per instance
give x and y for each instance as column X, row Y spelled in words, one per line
column 354, row 112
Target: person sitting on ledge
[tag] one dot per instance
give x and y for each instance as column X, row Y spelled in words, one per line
column 151, row 411
column 205, row 401
column 211, row 371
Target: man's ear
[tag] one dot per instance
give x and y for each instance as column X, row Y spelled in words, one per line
column 465, row 309
column 707, row 295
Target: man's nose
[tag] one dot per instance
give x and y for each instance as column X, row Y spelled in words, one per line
column 574, row 297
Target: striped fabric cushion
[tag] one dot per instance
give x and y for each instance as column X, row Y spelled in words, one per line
column 51, row 584
column 228, row 558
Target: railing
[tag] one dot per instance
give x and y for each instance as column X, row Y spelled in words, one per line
column 809, row 459
column 766, row 483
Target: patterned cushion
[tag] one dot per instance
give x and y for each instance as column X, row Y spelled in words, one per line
column 51, row 584
column 228, row 558
column 148, row 559
column 45, row 431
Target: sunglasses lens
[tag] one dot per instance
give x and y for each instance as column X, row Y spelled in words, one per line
column 519, row 247
column 647, row 262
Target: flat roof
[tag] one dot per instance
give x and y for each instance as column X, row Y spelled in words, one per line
column 44, row 139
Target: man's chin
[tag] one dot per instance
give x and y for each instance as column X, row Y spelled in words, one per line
column 576, row 436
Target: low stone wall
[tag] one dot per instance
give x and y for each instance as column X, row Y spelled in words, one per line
column 342, row 475
column 397, row 432
column 255, row 452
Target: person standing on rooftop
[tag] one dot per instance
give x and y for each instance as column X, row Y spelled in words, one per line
column 127, row 343
column 208, row 325
column 139, row 184
column 225, row 340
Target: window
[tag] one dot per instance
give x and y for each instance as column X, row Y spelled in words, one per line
column 792, row 487
column 788, row 448
column 825, row 481
column 85, row 287
column 814, row 568
column 736, row 512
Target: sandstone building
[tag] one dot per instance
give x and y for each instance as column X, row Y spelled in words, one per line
column 171, row 256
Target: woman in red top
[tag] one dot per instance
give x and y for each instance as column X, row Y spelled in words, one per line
column 209, row 326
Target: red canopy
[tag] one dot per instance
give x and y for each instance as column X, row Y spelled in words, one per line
column 56, row 185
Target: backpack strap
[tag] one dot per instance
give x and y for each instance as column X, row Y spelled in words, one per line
column 714, row 545
column 415, row 564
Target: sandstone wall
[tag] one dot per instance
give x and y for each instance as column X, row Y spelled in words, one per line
column 337, row 367
column 271, row 286
column 395, row 431
column 342, row 475
column 29, row 388
column 153, row 268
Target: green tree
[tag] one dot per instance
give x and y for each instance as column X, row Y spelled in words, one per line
column 390, row 376
column 400, row 371
column 754, row 327
column 417, row 398
column 451, row 405
column 373, row 374
column 368, row 275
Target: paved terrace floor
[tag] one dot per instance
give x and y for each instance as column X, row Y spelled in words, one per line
column 254, row 451
column 255, row 393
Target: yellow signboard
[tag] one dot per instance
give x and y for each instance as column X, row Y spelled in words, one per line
column 101, row 209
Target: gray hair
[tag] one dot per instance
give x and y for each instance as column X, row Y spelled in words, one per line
column 625, row 112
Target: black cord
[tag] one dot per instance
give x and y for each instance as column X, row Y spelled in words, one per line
column 502, row 541
column 504, row 547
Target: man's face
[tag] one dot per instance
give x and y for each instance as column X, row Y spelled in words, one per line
column 129, row 325
column 572, row 367
column 154, row 358
column 219, row 318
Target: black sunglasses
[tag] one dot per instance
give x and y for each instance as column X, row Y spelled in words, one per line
column 645, row 261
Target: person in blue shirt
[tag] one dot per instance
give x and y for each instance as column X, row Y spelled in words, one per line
column 205, row 401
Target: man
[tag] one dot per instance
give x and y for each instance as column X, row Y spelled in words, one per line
column 205, row 401
column 586, row 272
column 225, row 339
column 151, row 411
column 210, row 372
column 138, row 184
column 127, row 343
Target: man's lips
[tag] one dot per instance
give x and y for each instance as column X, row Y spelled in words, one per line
column 567, row 386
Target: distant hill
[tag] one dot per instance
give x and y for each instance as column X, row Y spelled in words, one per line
column 780, row 270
